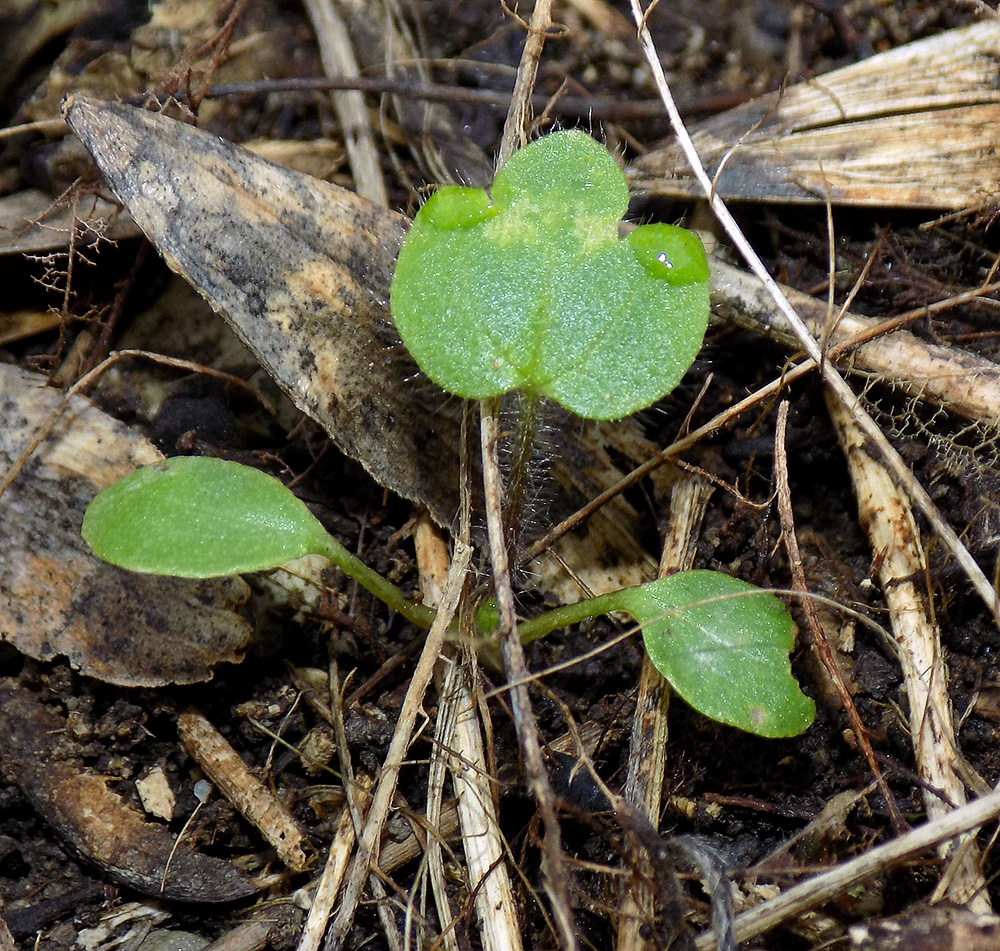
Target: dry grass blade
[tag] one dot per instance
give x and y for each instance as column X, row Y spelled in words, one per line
column 368, row 841
column 819, row 889
column 482, row 842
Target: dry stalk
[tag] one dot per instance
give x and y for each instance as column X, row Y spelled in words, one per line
column 357, row 799
column 432, row 567
column 482, row 841
column 830, row 374
column 368, row 841
column 515, row 126
column 647, row 748
column 962, row 382
column 444, row 729
column 458, row 748
column 895, row 539
column 329, row 884
column 337, row 56
column 820, row 889
column 820, row 642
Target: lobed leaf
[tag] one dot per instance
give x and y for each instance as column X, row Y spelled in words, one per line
column 534, row 289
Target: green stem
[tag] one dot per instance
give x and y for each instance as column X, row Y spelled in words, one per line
column 384, row 590
column 569, row 614
column 423, row 616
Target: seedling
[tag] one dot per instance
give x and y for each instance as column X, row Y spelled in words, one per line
column 529, row 290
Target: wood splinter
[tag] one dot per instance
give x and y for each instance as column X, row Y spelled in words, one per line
column 249, row 796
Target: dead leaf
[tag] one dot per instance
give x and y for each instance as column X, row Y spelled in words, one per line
column 916, row 126
column 301, row 270
column 56, row 598
column 929, row 928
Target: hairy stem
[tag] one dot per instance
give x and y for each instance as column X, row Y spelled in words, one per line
column 553, row 860
column 519, row 474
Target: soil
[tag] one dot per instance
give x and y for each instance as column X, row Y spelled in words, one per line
column 739, row 796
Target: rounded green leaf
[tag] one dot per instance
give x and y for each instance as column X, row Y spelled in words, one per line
column 724, row 646
column 196, row 517
column 536, row 291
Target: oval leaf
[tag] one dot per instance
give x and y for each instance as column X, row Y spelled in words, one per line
column 197, row 517
column 535, row 290
column 723, row 645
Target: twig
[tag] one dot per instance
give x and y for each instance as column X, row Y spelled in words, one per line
column 368, row 840
column 248, row 795
column 647, row 748
column 337, row 57
column 515, row 127
column 963, row 383
column 820, row 889
column 831, row 376
column 79, row 388
column 329, row 883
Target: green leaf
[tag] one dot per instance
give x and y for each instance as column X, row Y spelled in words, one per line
column 196, row 517
column 535, row 290
column 723, row 645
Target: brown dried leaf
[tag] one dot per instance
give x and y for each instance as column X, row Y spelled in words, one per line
column 97, row 823
column 928, row 928
column 56, row 598
column 301, row 270
column 916, row 126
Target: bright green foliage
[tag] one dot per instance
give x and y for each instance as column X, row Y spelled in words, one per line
column 196, row 517
column 723, row 645
column 535, row 290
